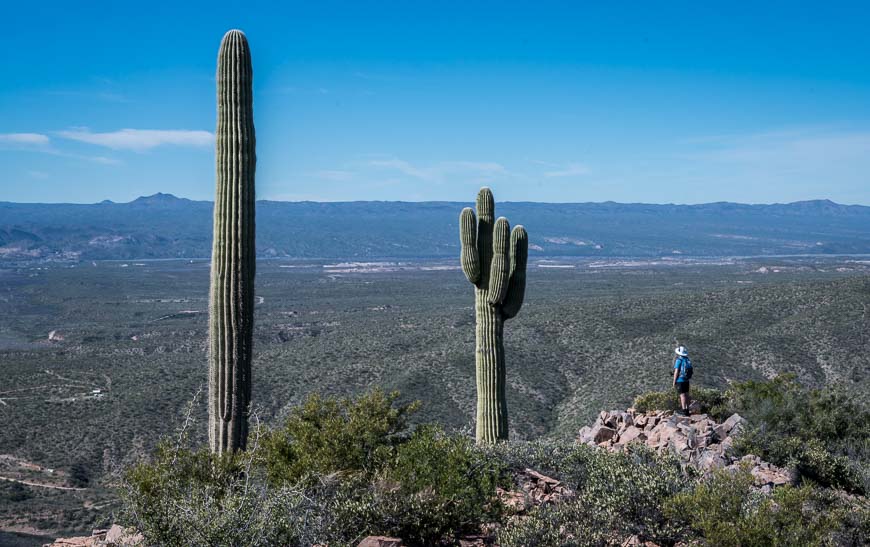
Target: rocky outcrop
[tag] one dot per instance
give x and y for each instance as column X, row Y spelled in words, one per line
column 116, row 536
column 698, row 440
column 534, row 489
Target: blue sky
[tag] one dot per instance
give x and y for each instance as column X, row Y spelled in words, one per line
column 677, row 102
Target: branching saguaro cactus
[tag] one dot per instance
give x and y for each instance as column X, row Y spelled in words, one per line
column 231, row 305
column 495, row 263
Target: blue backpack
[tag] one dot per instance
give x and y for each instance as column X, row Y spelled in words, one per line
column 686, row 368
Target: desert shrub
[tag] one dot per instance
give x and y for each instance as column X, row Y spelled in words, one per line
column 656, row 400
column 811, row 460
column 617, row 495
column 435, row 486
column 423, row 486
column 669, row 400
column 14, row 492
column 727, row 511
column 79, row 475
column 330, row 435
column 563, row 460
column 193, row 497
column 821, row 434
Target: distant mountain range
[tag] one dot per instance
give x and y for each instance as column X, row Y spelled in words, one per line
column 164, row 226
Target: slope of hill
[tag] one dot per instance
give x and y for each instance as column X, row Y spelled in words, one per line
column 163, row 226
column 99, row 361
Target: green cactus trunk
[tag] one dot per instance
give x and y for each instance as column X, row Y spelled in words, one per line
column 231, row 306
column 494, row 261
column 492, row 417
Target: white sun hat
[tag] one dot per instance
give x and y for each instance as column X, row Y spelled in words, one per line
column 681, row 351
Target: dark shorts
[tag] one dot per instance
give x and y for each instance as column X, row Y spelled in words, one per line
column 682, row 387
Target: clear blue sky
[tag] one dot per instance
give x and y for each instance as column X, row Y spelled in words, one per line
column 682, row 102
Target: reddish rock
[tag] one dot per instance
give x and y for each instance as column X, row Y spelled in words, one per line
column 710, row 461
column 602, row 433
column 118, row 537
column 733, row 423
column 631, row 433
column 512, row 499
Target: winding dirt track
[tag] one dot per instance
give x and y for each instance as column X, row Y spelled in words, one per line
column 40, row 485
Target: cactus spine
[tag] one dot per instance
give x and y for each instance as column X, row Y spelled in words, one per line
column 231, row 302
column 494, row 260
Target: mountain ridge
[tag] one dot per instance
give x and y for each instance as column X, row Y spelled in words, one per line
column 165, row 226
column 165, row 197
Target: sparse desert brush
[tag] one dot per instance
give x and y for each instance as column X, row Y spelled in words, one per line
column 726, row 510
column 710, row 400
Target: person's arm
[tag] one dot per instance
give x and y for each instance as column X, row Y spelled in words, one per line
column 676, row 372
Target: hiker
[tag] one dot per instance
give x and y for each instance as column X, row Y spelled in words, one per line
column 682, row 374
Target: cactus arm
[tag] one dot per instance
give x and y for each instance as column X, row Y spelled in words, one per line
column 500, row 269
column 513, row 300
column 485, row 218
column 468, row 238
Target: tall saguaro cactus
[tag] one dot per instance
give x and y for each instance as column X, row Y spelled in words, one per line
column 495, row 263
column 231, row 306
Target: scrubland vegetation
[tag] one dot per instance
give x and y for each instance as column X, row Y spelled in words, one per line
column 336, row 471
column 587, row 339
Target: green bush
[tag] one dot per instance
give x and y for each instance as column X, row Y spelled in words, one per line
column 435, row 487
column 709, row 399
column 823, row 435
column 726, row 511
column 335, row 435
column 617, row 495
column 366, row 476
column 811, row 460
column 193, row 497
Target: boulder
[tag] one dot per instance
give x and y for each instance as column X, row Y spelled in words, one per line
column 585, row 434
column 117, row 536
column 512, row 499
column 679, row 443
column 631, row 433
column 662, row 434
column 536, row 489
column 733, row 424
column 541, row 478
column 709, row 460
column 601, row 433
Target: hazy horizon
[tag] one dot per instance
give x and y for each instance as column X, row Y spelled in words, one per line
column 169, row 194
